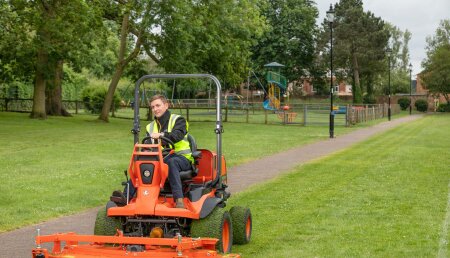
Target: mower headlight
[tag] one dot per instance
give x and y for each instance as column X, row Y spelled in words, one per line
column 147, row 171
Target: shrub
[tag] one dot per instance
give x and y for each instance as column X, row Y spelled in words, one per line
column 94, row 96
column 421, row 105
column 369, row 99
column 443, row 108
column 73, row 84
column 404, row 103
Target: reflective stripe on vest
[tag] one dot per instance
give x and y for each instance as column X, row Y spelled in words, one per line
column 182, row 147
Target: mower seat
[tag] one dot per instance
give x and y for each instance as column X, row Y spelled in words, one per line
column 187, row 175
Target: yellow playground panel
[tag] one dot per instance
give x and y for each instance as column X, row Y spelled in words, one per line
column 274, row 95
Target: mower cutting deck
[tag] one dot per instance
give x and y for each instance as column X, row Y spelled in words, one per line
column 120, row 246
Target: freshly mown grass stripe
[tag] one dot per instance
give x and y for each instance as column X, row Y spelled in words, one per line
column 385, row 197
column 443, row 243
column 61, row 166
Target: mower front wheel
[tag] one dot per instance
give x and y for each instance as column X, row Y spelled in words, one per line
column 242, row 224
column 216, row 225
column 106, row 226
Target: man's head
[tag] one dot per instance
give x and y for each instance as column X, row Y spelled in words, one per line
column 159, row 104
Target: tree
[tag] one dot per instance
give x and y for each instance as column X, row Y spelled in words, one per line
column 441, row 37
column 399, row 41
column 126, row 10
column 185, row 36
column 207, row 40
column 290, row 37
column 373, row 59
column 359, row 43
column 436, row 75
column 16, row 47
column 57, row 30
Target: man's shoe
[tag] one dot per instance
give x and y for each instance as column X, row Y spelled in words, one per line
column 179, row 203
column 118, row 198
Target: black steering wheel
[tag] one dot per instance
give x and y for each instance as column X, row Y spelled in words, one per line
column 165, row 151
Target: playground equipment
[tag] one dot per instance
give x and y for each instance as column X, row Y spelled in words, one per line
column 149, row 225
column 276, row 86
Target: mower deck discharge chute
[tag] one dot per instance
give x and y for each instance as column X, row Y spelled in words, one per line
column 148, row 224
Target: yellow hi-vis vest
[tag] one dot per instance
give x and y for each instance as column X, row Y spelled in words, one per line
column 182, row 147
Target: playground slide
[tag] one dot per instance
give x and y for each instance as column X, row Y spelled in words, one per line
column 266, row 105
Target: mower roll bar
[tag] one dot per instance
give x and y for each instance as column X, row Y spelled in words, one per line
column 218, row 130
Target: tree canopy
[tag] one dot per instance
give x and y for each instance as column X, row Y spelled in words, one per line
column 400, row 79
column 43, row 35
column 360, row 42
column 436, row 75
column 289, row 39
column 187, row 37
column 52, row 44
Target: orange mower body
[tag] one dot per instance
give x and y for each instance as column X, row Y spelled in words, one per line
column 148, row 224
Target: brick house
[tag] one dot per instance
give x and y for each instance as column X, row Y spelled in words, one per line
column 433, row 100
column 343, row 89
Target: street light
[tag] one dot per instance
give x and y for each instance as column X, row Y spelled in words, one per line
column 410, row 88
column 389, row 51
column 330, row 18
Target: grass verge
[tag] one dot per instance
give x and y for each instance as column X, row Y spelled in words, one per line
column 385, row 197
column 60, row 166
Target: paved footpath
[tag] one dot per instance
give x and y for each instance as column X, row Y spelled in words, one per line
column 18, row 243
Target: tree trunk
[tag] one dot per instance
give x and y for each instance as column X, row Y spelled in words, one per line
column 356, row 88
column 54, row 105
column 120, row 66
column 110, row 94
column 38, row 110
column 119, row 69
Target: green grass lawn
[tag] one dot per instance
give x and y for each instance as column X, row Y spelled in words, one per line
column 60, row 166
column 385, row 197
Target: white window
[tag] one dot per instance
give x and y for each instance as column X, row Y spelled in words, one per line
column 348, row 88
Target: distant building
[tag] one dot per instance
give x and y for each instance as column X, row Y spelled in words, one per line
column 433, row 100
column 307, row 88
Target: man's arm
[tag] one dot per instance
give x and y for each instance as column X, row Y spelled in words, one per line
column 178, row 132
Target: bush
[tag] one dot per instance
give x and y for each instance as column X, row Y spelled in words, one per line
column 16, row 89
column 94, row 96
column 421, row 105
column 73, row 84
column 404, row 103
column 369, row 99
column 443, row 108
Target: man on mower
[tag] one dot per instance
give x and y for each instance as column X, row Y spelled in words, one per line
column 175, row 128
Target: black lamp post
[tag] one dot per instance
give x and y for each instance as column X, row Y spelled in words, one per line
column 389, row 51
column 330, row 18
column 410, row 88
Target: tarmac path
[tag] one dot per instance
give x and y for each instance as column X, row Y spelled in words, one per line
column 19, row 243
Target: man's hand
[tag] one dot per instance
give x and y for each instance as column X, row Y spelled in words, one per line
column 156, row 135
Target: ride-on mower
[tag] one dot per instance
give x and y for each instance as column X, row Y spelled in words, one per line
column 148, row 224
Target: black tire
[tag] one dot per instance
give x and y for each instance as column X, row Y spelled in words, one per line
column 106, row 226
column 217, row 225
column 242, row 224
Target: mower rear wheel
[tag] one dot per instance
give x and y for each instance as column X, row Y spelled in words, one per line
column 242, row 224
column 106, row 226
column 216, row 225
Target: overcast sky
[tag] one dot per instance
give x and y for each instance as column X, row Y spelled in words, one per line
column 420, row 17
